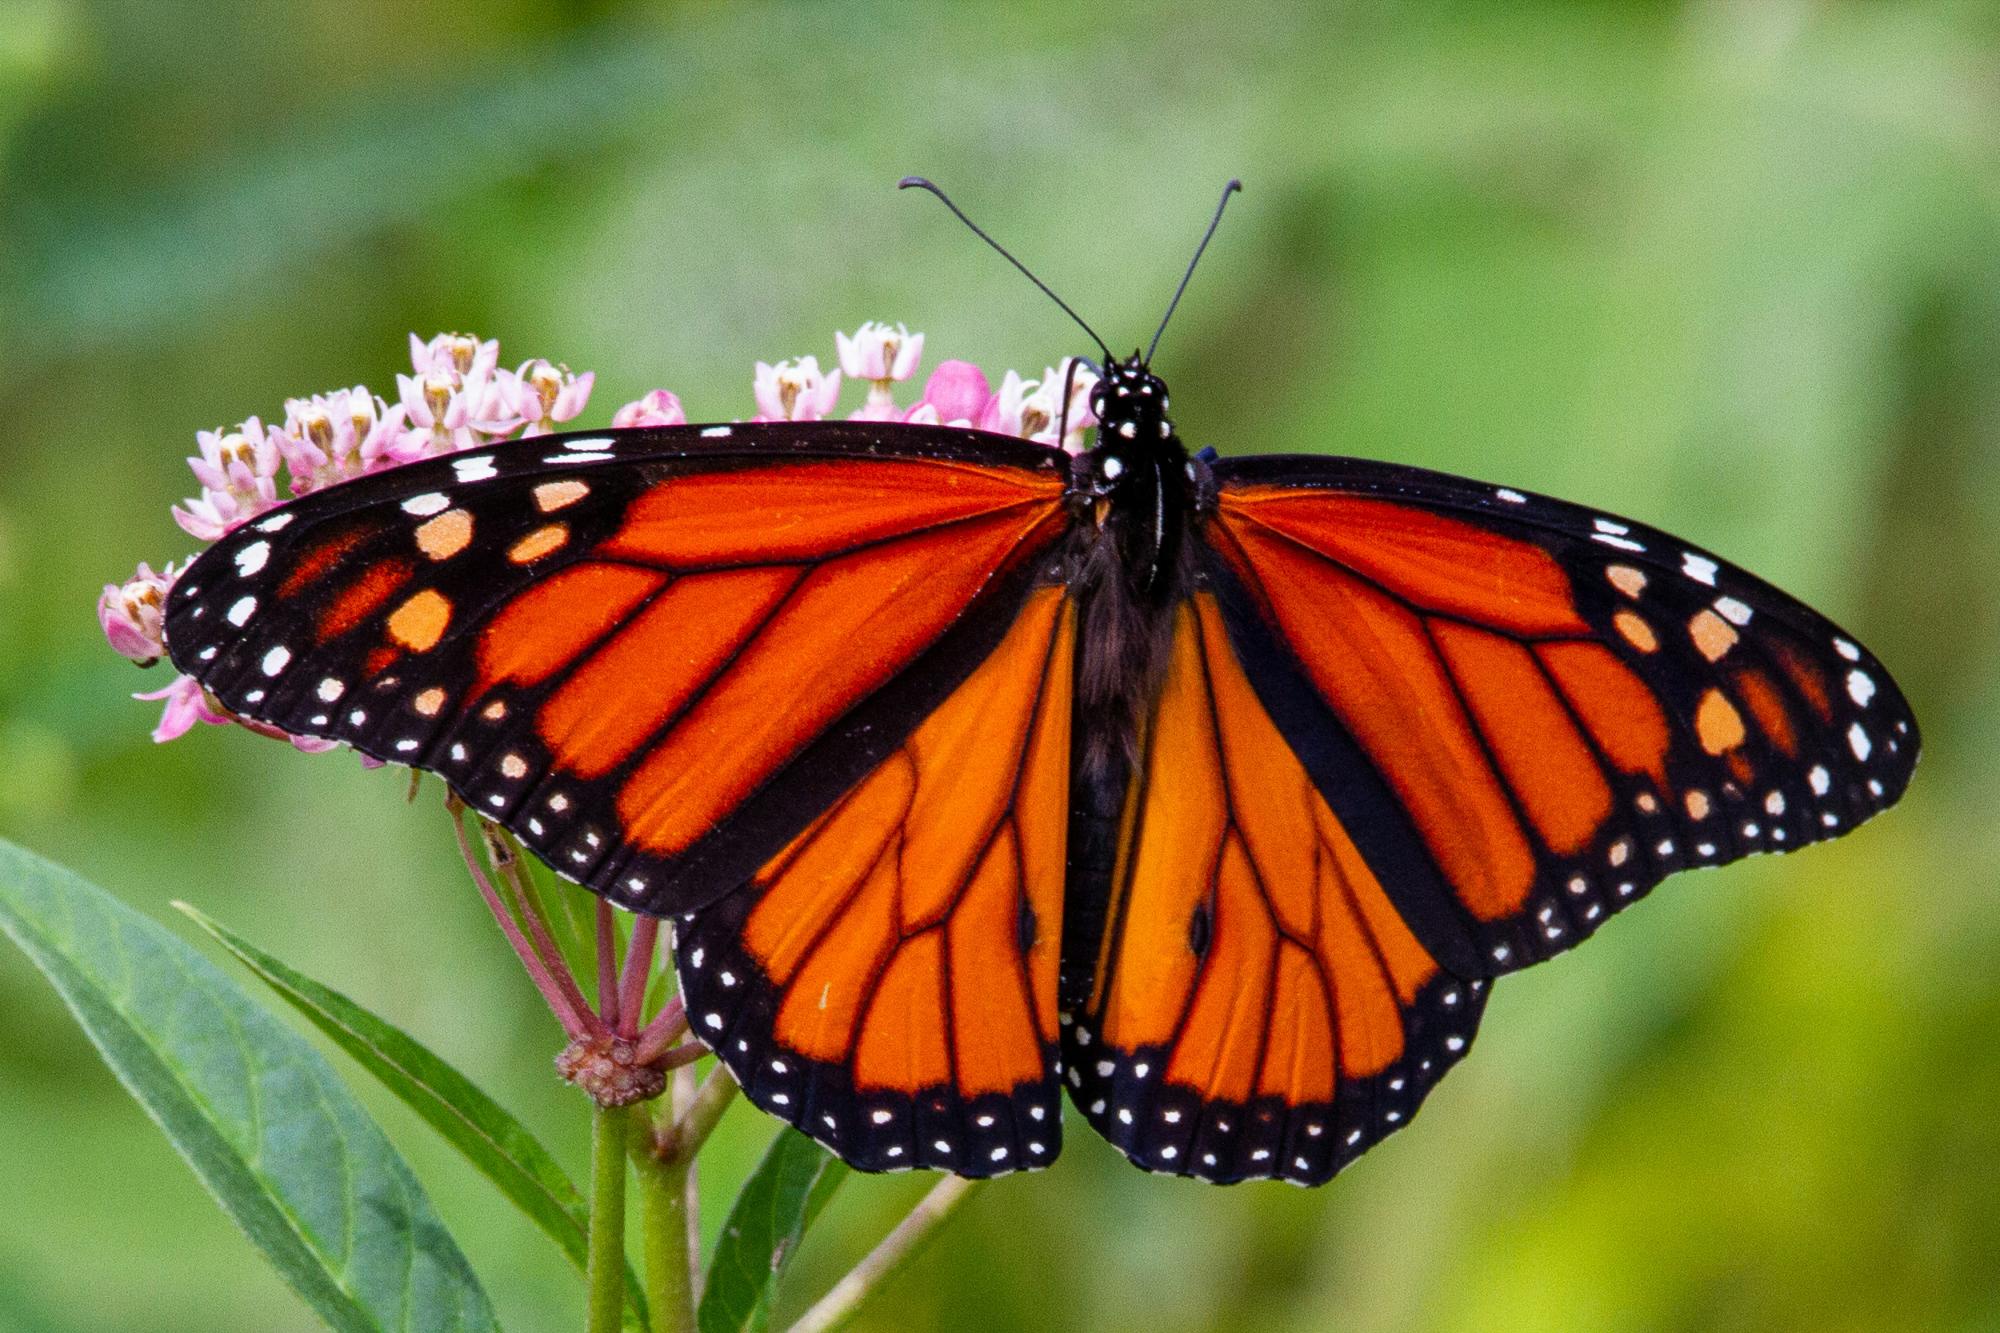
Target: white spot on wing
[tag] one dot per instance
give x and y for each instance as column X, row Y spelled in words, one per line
column 252, row 557
column 423, row 506
column 1511, row 497
column 1698, row 567
column 277, row 660
column 240, row 612
column 1860, row 686
column 1622, row 543
column 1857, row 741
column 1846, row 650
column 479, row 468
column 1733, row 611
column 715, row 432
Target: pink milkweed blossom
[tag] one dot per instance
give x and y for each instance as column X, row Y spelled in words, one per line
column 658, row 408
column 1034, row 408
column 332, row 437
column 882, row 356
column 238, row 472
column 460, row 356
column 956, row 394
column 459, row 398
column 544, row 396
column 794, row 390
column 131, row 614
column 186, row 704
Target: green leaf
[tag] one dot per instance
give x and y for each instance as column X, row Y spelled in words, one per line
column 255, row 1110
column 492, row 1140
column 779, row 1201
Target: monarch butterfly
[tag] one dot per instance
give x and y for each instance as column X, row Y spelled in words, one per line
column 1218, row 789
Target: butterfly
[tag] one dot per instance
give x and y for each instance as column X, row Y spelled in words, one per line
column 1217, row 791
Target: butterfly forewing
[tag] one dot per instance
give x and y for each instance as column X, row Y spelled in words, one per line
column 656, row 655
column 1533, row 711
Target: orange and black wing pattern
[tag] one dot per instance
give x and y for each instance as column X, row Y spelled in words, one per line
column 1528, row 713
column 656, row 655
column 1249, row 1003
column 887, row 981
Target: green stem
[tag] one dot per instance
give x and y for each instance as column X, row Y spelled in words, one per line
column 898, row 1248
column 663, row 1221
column 606, row 1269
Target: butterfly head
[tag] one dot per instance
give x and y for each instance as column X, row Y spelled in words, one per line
column 1130, row 403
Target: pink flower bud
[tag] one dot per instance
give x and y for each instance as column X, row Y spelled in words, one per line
column 131, row 614
column 956, row 394
column 879, row 353
column 795, row 390
column 658, row 408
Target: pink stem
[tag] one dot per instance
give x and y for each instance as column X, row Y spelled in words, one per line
column 571, row 1016
column 638, row 971
column 669, row 1024
column 508, row 861
column 607, row 965
column 675, row 1056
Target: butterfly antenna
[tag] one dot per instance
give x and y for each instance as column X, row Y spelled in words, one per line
column 1213, row 223
column 918, row 182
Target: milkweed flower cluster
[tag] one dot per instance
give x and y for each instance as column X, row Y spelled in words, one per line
column 458, row 396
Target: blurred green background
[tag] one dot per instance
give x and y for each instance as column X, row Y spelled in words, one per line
column 1732, row 268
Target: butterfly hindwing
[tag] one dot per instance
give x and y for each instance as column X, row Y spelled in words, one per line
column 887, row 983
column 1253, row 1005
column 1534, row 710
column 654, row 654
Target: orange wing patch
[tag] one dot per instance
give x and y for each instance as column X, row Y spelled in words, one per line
column 1261, row 1008
column 905, row 944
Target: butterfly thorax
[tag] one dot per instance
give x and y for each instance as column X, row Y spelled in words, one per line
column 1139, row 495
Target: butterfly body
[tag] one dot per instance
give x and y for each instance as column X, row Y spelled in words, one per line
column 968, row 769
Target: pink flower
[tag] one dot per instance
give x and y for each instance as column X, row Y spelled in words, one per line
column 544, row 397
column 882, row 356
column 131, row 614
column 458, row 355
column 658, row 408
column 956, row 394
column 331, row 437
column 795, row 391
column 880, row 353
column 238, row 474
column 439, row 412
column 1032, row 409
column 187, row 704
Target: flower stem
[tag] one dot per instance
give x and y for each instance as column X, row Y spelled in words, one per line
column 605, row 1275
column 841, row 1304
column 607, row 965
column 565, row 1002
column 638, row 971
column 710, row 1101
column 664, row 1229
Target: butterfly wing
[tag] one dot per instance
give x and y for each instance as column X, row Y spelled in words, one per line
column 656, row 655
column 1249, row 1002
column 887, row 982
column 1528, row 712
